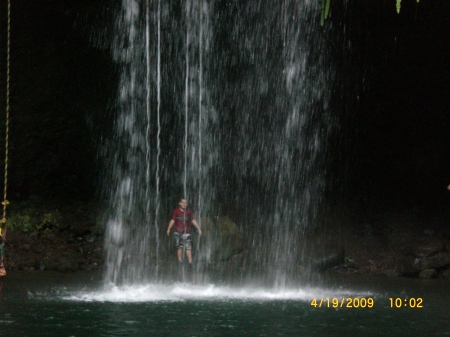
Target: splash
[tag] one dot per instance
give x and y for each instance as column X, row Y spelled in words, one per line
column 184, row 291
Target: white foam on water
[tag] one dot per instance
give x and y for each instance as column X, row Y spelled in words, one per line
column 186, row 291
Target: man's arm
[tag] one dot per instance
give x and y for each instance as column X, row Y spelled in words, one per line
column 170, row 226
column 195, row 223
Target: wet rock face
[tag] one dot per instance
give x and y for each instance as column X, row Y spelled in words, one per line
column 391, row 273
column 447, row 245
column 406, row 251
column 429, row 247
column 405, row 266
column 436, row 261
column 428, row 255
column 446, row 274
column 427, row 273
column 329, row 257
column 221, row 239
column 50, row 250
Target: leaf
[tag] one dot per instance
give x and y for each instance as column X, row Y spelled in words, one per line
column 398, row 6
column 327, row 8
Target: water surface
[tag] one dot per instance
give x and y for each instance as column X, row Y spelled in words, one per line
column 77, row 304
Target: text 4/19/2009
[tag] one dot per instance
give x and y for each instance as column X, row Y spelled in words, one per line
column 344, row 302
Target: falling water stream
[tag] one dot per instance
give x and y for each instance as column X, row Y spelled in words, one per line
column 183, row 128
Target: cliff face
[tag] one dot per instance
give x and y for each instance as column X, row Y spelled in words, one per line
column 401, row 245
column 63, row 239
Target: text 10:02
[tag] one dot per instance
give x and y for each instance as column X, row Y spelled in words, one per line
column 407, row 302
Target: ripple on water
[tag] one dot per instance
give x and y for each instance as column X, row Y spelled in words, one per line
column 186, row 291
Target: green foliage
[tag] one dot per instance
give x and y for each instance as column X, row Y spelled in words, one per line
column 19, row 222
column 27, row 221
column 347, row 260
column 51, row 219
column 97, row 229
column 325, row 10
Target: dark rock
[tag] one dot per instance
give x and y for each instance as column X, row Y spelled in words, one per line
column 65, row 264
column 223, row 238
column 236, row 261
column 435, row 261
column 447, row 245
column 429, row 247
column 89, row 238
column 446, row 234
column 405, row 266
column 14, row 237
column 391, row 273
column 427, row 273
column 40, row 265
column 49, row 237
column 63, row 227
column 88, row 267
column 97, row 253
column 39, row 247
column 446, row 274
column 80, row 229
column 71, row 239
column 22, row 263
column 330, row 257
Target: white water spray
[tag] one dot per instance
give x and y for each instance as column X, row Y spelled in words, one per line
column 268, row 141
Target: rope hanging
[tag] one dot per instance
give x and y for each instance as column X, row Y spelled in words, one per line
column 8, row 68
column 5, row 201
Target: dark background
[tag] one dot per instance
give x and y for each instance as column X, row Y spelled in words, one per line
column 398, row 126
column 391, row 101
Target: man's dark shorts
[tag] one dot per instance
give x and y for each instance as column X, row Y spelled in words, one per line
column 181, row 239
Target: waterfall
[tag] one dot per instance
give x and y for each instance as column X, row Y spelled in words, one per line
column 128, row 237
column 226, row 105
column 140, row 163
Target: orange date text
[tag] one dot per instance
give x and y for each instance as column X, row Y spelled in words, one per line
column 343, row 302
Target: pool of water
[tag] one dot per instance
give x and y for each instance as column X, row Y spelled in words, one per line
column 55, row 304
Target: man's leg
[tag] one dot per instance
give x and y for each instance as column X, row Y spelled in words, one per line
column 189, row 255
column 180, row 254
column 188, row 248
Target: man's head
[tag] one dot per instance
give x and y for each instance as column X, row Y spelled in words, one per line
column 183, row 204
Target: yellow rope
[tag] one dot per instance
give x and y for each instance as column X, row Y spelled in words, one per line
column 8, row 57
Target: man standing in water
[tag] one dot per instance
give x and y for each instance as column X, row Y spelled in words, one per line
column 182, row 219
